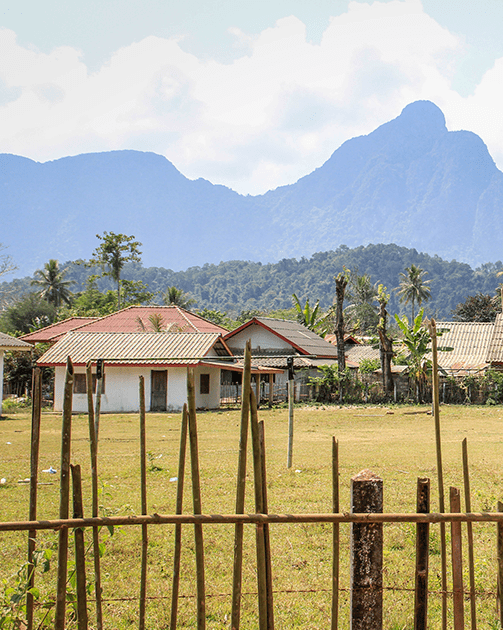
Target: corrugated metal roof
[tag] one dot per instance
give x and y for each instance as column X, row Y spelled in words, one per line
column 495, row 350
column 300, row 337
column 12, row 343
column 131, row 348
column 54, row 331
column 128, row 320
column 470, row 342
column 357, row 352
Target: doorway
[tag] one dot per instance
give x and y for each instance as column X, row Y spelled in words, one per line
column 159, row 390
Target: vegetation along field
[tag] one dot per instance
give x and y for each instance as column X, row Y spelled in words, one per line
column 395, row 442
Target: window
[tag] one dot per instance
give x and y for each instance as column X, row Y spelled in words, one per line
column 80, row 384
column 204, row 384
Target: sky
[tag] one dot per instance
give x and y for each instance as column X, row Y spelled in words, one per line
column 252, row 95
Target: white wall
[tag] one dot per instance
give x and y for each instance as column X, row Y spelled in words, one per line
column 261, row 339
column 122, row 389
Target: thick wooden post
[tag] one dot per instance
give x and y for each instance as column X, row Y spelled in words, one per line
column 271, row 390
column 499, row 541
column 422, row 549
column 80, row 550
column 366, row 553
column 457, row 562
column 335, row 536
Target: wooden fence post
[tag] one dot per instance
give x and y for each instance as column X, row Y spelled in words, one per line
column 422, row 549
column 80, row 550
column 457, row 562
column 366, row 553
column 500, row 563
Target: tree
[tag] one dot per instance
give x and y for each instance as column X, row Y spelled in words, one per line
column 413, row 288
column 177, row 297
column 53, row 287
column 341, row 282
column 113, row 253
column 311, row 318
column 385, row 341
column 361, row 293
column 6, row 263
column 27, row 314
column 477, row 308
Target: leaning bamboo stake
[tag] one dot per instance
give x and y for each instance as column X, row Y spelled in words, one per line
column 259, row 509
column 143, row 482
column 267, row 540
column 95, row 497
column 35, row 447
column 457, row 562
column 178, row 527
column 469, row 531
column 64, row 497
column 240, row 491
column 80, row 551
column 335, row 535
column 499, row 542
column 196, row 497
column 440, row 473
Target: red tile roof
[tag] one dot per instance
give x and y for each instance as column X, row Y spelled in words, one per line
column 127, row 320
column 55, row 331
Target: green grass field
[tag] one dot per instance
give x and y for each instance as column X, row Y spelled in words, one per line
column 398, row 443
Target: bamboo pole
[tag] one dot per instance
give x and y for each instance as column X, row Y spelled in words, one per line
column 36, row 411
column 499, row 542
column 196, row 497
column 100, row 372
column 259, row 508
column 422, row 557
column 289, row 456
column 440, row 473
column 267, row 539
column 240, row 490
column 95, row 497
column 64, row 497
column 457, row 562
column 143, row 482
column 80, row 551
column 178, row 526
column 335, row 535
column 469, row 531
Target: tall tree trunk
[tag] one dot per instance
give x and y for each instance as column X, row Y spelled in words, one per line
column 118, row 293
column 385, row 348
column 341, row 282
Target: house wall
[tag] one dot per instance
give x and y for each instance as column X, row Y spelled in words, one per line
column 262, row 341
column 122, row 389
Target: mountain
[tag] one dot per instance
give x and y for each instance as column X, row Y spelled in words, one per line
column 411, row 181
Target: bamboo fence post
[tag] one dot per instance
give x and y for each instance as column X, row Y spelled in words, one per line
column 289, row 456
column 80, row 551
column 422, row 557
column 143, row 481
column 267, row 539
column 35, row 447
column 469, row 531
column 259, row 508
column 457, row 562
column 499, row 601
column 95, row 497
column 100, row 371
column 178, row 527
column 240, row 490
column 335, row 535
column 440, row 473
column 196, row 497
column 64, row 498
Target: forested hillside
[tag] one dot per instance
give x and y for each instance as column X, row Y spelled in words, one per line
column 242, row 285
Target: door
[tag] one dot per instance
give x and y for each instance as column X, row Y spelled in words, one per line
column 159, row 390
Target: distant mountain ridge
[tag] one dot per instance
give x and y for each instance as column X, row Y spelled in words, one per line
column 411, row 182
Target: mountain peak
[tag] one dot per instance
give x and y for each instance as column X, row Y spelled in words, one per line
column 424, row 112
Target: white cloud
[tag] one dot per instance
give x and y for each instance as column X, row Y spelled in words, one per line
column 273, row 115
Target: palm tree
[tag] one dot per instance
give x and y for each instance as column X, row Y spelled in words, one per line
column 53, row 288
column 413, row 288
column 177, row 297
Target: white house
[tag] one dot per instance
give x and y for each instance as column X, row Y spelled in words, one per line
column 161, row 358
